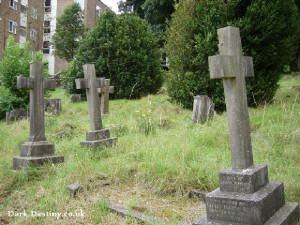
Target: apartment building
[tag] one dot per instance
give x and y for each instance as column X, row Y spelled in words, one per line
column 53, row 10
column 23, row 19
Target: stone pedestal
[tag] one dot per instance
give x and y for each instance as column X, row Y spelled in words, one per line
column 98, row 139
column 36, row 153
column 246, row 197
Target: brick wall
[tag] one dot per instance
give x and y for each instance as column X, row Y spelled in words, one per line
column 8, row 14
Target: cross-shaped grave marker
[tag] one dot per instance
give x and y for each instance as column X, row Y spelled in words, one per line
column 105, row 91
column 245, row 195
column 37, row 150
column 98, row 136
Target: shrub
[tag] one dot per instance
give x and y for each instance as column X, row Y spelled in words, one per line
column 15, row 62
column 268, row 32
column 123, row 49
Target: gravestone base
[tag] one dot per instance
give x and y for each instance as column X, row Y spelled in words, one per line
column 37, row 149
column 98, row 139
column 245, row 181
column 257, row 202
column 286, row 215
column 36, row 153
column 20, row 161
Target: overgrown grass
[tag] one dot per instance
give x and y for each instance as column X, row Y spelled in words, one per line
column 158, row 149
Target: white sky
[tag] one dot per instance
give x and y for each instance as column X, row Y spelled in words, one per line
column 113, row 4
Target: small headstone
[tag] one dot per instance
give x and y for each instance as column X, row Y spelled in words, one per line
column 75, row 97
column 74, row 188
column 16, row 114
column 105, row 91
column 37, row 150
column 203, row 109
column 53, row 106
column 97, row 137
column 245, row 196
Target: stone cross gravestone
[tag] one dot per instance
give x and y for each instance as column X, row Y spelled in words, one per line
column 37, row 150
column 98, row 136
column 245, row 196
column 105, row 91
column 203, row 109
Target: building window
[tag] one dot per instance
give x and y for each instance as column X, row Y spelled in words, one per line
column 47, row 5
column 46, row 47
column 34, row 13
column 12, row 28
column 33, row 34
column 13, row 4
column 47, row 27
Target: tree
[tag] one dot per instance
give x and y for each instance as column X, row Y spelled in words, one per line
column 269, row 32
column 123, row 48
column 15, row 62
column 69, row 30
column 155, row 12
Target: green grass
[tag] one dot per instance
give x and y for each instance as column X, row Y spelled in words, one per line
column 159, row 150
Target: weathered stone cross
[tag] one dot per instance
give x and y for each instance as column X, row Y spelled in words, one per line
column 233, row 67
column 37, row 85
column 37, row 150
column 105, row 91
column 91, row 83
column 245, row 195
column 98, row 136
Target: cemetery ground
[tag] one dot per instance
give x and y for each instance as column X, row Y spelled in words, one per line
column 160, row 156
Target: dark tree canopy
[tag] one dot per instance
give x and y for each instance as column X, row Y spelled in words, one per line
column 269, row 32
column 123, row 48
column 155, row 12
column 69, row 31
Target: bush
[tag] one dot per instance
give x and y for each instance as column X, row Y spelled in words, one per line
column 268, row 32
column 15, row 62
column 123, row 49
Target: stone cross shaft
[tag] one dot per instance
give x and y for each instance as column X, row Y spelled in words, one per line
column 233, row 67
column 91, row 83
column 105, row 91
column 37, row 85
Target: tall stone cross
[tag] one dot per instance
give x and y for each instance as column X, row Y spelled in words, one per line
column 105, row 91
column 37, row 85
column 91, row 83
column 37, row 150
column 98, row 136
column 233, row 68
column 245, row 195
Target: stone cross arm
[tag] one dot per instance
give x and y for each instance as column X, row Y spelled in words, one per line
column 227, row 66
column 25, row 82
column 83, row 83
column 28, row 83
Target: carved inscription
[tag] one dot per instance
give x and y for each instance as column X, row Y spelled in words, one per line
column 236, row 183
column 230, row 210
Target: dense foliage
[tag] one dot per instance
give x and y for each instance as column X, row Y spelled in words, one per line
column 155, row 12
column 69, row 30
column 15, row 62
column 269, row 32
column 123, row 48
